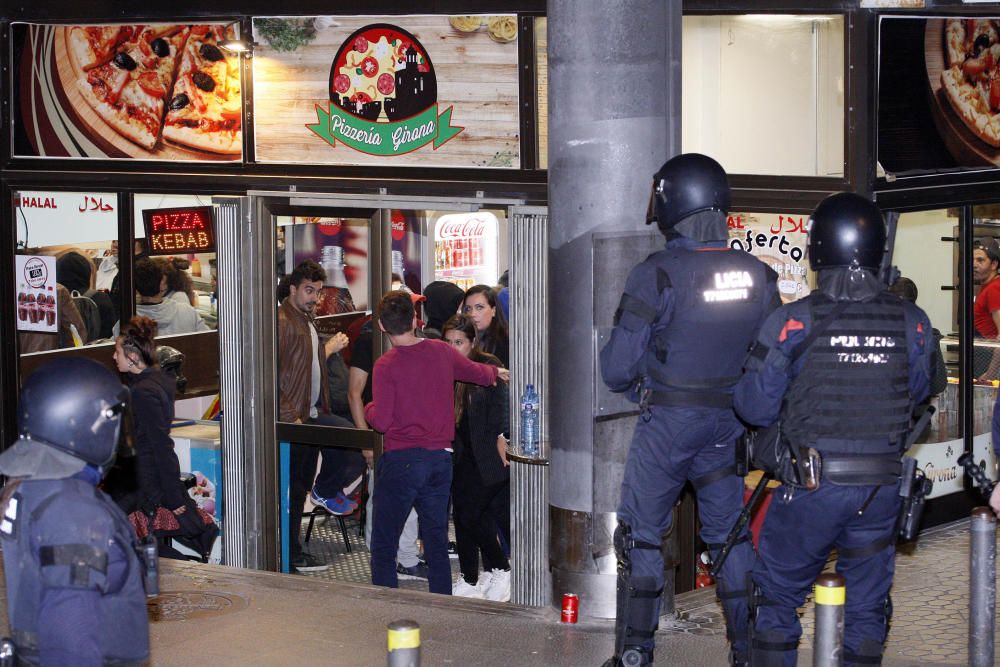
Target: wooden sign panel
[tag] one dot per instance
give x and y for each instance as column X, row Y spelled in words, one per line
column 403, row 90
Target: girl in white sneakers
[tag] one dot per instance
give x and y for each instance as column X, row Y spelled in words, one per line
column 480, row 481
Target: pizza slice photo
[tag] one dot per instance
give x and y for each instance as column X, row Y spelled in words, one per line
column 205, row 110
column 971, row 79
column 127, row 86
column 157, row 84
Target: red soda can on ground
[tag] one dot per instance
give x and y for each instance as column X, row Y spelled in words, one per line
column 570, row 607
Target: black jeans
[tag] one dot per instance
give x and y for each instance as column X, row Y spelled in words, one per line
column 302, row 460
column 476, row 506
column 339, row 466
column 301, row 469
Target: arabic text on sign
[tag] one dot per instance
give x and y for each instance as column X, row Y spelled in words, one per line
column 94, row 204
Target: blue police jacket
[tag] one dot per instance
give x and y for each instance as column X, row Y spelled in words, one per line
column 74, row 583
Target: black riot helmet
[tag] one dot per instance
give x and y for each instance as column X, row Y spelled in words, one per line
column 74, row 405
column 687, row 184
column 844, row 230
column 170, row 360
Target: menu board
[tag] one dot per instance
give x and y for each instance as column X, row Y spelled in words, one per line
column 433, row 91
column 126, row 91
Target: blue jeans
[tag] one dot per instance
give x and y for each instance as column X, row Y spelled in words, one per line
column 405, row 479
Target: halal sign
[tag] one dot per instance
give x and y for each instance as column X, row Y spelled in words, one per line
column 383, row 95
column 179, row 230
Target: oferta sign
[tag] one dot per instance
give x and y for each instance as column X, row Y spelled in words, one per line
column 382, row 71
column 407, row 90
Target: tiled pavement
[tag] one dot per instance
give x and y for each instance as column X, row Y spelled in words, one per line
column 930, row 594
column 224, row 616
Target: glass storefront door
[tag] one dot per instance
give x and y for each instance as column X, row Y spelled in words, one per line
column 328, row 261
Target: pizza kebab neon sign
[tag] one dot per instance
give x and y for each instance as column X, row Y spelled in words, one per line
column 174, row 230
column 383, row 72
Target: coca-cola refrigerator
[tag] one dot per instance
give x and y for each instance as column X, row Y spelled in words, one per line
column 467, row 248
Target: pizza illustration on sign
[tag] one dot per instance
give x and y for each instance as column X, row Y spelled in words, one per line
column 383, row 95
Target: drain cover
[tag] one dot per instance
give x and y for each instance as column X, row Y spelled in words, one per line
column 182, row 605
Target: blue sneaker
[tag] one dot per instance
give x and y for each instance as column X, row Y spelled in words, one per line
column 418, row 571
column 338, row 505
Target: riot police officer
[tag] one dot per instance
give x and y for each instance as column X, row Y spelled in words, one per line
column 74, row 583
column 682, row 330
column 843, row 369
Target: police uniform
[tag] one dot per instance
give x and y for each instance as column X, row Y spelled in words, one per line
column 848, row 392
column 685, row 322
column 75, row 591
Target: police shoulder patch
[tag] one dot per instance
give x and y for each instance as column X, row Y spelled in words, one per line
column 9, row 522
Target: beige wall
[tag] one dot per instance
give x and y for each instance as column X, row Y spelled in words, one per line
column 765, row 94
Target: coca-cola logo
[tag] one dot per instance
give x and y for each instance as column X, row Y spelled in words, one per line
column 398, row 226
column 331, row 228
column 462, row 229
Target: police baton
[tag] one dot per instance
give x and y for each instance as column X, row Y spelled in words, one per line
column 741, row 522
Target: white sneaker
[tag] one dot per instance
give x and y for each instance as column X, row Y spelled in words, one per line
column 483, row 585
column 499, row 590
column 463, row 589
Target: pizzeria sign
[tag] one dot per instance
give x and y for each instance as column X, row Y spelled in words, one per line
column 379, row 71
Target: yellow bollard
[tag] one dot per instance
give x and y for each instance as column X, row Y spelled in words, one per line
column 404, row 644
column 829, row 643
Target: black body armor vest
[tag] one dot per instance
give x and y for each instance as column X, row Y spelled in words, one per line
column 719, row 302
column 854, row 384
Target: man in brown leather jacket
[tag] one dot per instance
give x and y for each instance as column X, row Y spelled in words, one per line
column 302, row 389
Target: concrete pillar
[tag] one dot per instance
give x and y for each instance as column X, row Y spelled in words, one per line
column 614, row 118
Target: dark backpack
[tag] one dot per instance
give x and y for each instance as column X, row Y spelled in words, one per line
column 90, row 315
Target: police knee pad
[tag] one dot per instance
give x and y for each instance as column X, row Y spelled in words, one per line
column 624, row 544
column 769, row 647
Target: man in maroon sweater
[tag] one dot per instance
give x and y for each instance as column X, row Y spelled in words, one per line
column 413, row 405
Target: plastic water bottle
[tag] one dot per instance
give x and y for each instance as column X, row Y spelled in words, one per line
column 529, row 421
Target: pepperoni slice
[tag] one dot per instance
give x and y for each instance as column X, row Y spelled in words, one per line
column 369, row 66
column 359, row 96
column 341, row 83
column 360, row 44
column 386, row 84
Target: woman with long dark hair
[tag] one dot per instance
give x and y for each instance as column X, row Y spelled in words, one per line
column 156, row 500
column 480, row 480
column 480, row 306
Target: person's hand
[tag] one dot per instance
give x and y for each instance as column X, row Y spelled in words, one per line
column 369, row 457
column 336, row 343
column 297, row 420
column 502, row 450
column 995, row 500
column 503, row 374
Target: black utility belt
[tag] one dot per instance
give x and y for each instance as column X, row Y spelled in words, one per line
column 859, row 470
column 690, row 399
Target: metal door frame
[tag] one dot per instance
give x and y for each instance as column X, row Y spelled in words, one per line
column 250, row 434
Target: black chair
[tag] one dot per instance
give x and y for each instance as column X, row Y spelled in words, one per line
column 319, row 512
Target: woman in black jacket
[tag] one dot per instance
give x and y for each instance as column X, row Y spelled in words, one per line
column 157, row 492
column 481, row 482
